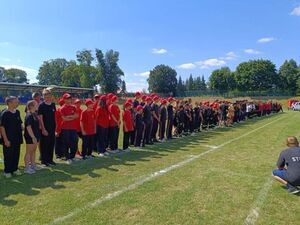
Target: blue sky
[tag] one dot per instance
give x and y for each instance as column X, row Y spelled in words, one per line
column 191, row 36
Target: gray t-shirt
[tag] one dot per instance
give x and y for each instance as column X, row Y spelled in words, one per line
column 291, row 158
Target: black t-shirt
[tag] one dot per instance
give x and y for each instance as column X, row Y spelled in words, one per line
column 170, row 112
column 12, row 123
column 32, row 120
column 138, row 121
column 155, row 108
column 48, row 113
column 147, row 114
column 135, row 103
column 291, row 158
column 163, row 114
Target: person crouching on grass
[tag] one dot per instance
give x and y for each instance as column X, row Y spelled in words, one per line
column 127, row 125
column 288, row 172
column 32, row 137
column 11, row 131
column 88, row 129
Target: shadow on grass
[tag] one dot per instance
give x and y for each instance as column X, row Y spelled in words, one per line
column 48, row 178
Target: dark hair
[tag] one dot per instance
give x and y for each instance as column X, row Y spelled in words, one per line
column 36, row 94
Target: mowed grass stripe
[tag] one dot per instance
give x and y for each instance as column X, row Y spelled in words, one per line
column 104, row 198
column 76, row 185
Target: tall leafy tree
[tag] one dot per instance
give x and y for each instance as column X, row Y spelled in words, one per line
column 50, row 72
column 191, row 84
column 256, row 75
column 163, row 79
column 123, row 86
column 85, row 57
column 109, row 71
column 180, row 86
column 289, row 75
column 203, row 83
column 15, row 76
column 222, row 80
column 71, row 75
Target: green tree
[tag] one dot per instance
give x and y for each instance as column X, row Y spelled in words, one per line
column 50, row 72
column 71, row 75
column 163, row 79
column 191, row 85
column 15, row 76
column 222, row 80
column 203, row 83
column 256, row 75
column 180, row 86
column 109, row 71
column 84, row 57
column 289, row 75
column 123, row 86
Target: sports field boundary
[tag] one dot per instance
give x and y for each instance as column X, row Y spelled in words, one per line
column 156, row 174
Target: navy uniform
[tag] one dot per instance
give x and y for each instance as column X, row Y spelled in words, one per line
column 170, row 121
column 162, row 120
column 147, row 119
column 155, row 116
column 139, row 127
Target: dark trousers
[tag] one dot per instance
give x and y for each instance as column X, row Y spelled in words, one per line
column 154, row 129
column 126, row 138
column 11, row 158
column 147, row 133
column 169, row 128
column 132, row 137
column 47, row 144
column 102, row 139
column 58, row 147
column 113, row 137
column 69, row 143
column 162, row 129
column 87, row 145
column 138, row 135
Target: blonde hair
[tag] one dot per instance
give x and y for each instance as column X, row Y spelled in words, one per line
column 47, row 91
column 292, row 141
column 30, row 104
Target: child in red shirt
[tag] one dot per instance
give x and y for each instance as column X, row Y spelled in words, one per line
column 127, row 125
column 58, row 121
column 88, row 129
column 114, row 124
column 77, row 104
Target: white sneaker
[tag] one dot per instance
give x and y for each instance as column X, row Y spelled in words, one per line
column 7, row 175
column 101, row 154
column 29, row 170
column 17, row 173
column 36, row 168
column 69, row 161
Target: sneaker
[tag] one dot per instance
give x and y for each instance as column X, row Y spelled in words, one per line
column 17, row 173
column 69, row 161
column 101, row 154
column 58, row 159
column 77, row 159
column 106, row 153
column 36, row 168
column 52, row 163
column 7, row 175
column 29, row 170
column 293, row 190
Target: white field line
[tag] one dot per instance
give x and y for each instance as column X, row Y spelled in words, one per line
column 151, row 176
column 262, row 195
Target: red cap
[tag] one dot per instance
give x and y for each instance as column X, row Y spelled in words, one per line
column 61, row 102
column 77, row 101
column 156, row 98
column 139, row 108
column 137, row 94
column 164, row 101
column 109, row 95
column 129, row 100
column 144, row 97
column 152, row 95
column 127, row 104
column 66, row 96
column 88, row 101
column 103, row 97
column 148, row 99
column 114, row 98
column 170, row 99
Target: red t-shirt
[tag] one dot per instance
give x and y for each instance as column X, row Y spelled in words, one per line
column 102, row 117
column 68, row 110
column 58, row 121
column 113, row 110
column 88, row 121
column 127, row 120
column 78, row 111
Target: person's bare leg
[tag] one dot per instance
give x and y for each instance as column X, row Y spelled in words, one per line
column 280, row 180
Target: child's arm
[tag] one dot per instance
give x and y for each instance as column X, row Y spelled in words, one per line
column 5, row 139
column 31, row 134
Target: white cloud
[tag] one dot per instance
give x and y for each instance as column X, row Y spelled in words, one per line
column 136, row 86
column 214, row 62
column 252, row 51
column 230, row 56
column 296, row 11
column 265, row 40
column 187, row 66
column 143, row 74
column 159, row 51
column 31, row 73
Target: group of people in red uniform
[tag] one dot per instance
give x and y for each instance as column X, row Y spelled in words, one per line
column 145, row 120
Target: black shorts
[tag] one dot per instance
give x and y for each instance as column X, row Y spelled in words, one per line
column 29, row 141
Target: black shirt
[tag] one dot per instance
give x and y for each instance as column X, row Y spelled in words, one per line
column 291, row 158
column 138, row 121
column 48, row 113
column 147, row 114
column 163, row 114
column 32, row 120
column 155, row 109
column 170, row 112
column 135, row 103
column 13, row 126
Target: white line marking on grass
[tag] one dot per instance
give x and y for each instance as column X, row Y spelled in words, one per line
column 151, row 176
column 262, row 195
column 209, row 146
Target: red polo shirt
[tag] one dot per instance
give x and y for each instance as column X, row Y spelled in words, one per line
column 58, row 121
column 78, row 111
column 68, row 110
column 113, row 110
column 88, row 121
column 127, row 120
column 102, row 117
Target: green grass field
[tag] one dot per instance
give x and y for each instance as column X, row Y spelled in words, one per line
column 218, row 177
